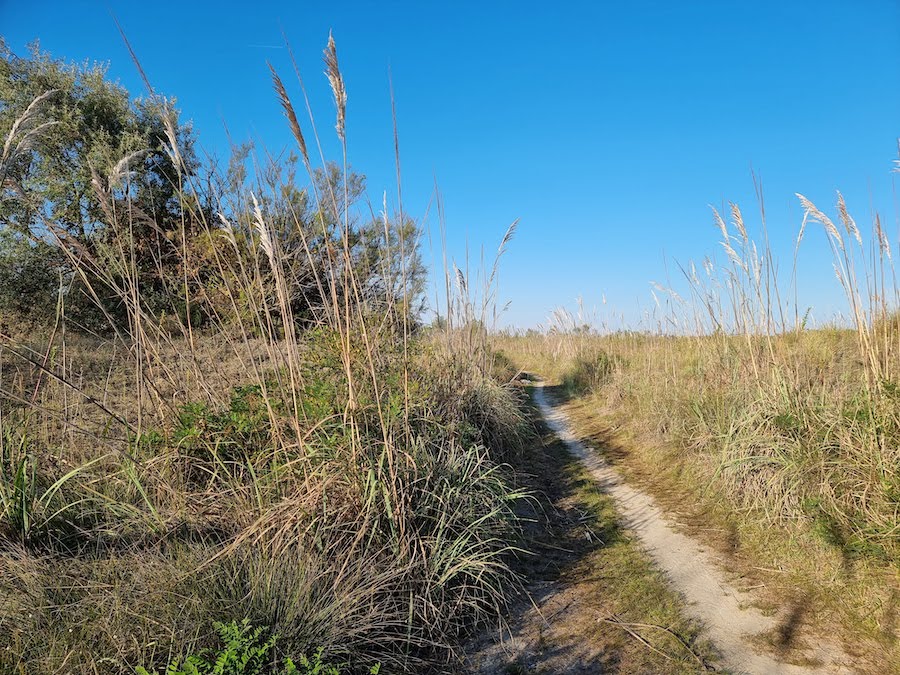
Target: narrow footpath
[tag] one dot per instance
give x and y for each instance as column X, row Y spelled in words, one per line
column 729, row 617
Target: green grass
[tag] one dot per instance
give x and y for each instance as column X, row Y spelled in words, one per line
column 379, row 541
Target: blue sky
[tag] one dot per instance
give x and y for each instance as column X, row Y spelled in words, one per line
column 606, row 127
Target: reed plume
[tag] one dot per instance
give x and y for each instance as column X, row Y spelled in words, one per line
column 333, row 72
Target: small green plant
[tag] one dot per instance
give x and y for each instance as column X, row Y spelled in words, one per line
column 232, row 433
column 246, row 651
column 243, row 652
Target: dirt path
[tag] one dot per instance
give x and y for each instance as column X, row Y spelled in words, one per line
column 727, row 615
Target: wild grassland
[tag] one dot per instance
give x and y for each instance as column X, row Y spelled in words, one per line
column 778, row 442
column 255, row 452
column 226, row 435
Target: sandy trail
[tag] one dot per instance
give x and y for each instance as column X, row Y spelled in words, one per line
column 729, row 621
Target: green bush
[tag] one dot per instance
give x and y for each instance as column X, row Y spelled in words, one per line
column 235, row 431
column 30, row 276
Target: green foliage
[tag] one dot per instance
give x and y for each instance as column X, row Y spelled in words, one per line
column 30, row 276
column 30, row 502
column 233, row 433
column 588, row 372
column 388, row 259
column 95, row 124
column 95, row 172
column 83, row 151
column 246, row 650
column 18, row 497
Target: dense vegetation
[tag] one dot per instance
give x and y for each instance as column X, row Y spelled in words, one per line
column 228, row 445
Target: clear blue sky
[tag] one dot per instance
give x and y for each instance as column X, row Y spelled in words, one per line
column 607, row 127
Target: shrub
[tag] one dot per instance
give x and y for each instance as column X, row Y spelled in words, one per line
column 588, row 372
column 30, row 277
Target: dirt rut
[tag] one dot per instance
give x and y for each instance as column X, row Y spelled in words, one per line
column 729, row 620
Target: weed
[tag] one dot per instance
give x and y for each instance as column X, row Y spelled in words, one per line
column 245, row 650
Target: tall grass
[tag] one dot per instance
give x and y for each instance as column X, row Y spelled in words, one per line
column 803, row 423
column 786, row 427
column 336, row 477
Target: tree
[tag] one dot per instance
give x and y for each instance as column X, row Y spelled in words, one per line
column 95, row 182
column 311, row 226
column 98, row 133
column 30, row 271
column 98, row 156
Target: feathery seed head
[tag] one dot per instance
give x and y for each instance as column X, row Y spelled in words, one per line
column 122, row 170
column 265, row 237
column 817, row 215
column 333, row 72
column 732, row 254
column 24, row 126
column 510, row 232
column 229, row 230
column 172, row 136
column 738, row 219
column 461, row 281
column 847, row 219
column 289, row 113
column 720, row 222
column 883, row 242
column 802, row 228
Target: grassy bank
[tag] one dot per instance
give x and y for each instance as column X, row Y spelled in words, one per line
column 776, row 440
column 775, row 450
column 376, row 533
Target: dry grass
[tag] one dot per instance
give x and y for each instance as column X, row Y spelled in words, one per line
column 787, row 437
column 335, row 477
